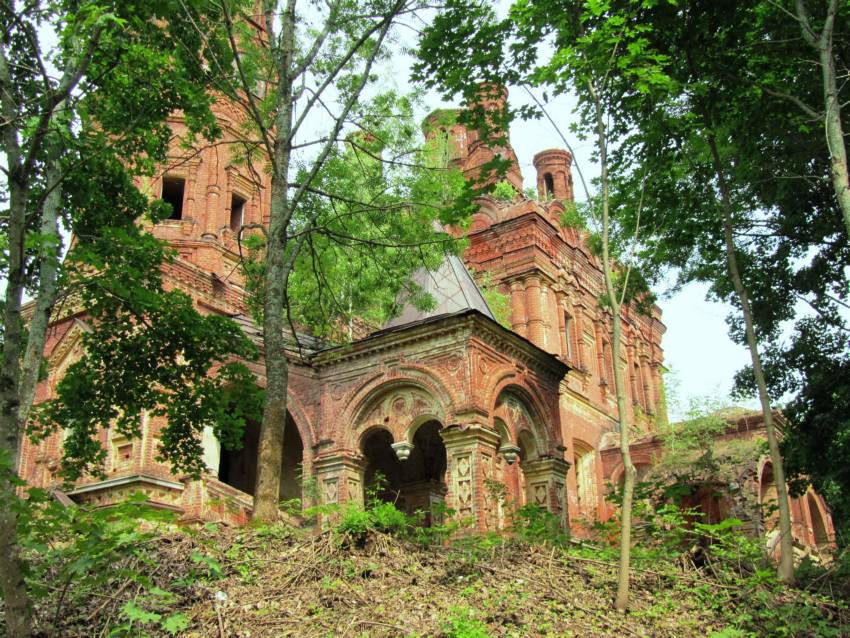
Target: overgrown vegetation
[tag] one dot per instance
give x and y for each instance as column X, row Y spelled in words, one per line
column 129, row 570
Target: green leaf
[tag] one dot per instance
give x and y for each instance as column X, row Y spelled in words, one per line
column 175, row 623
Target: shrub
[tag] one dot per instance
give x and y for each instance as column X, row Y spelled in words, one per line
column 387, row 518
column 462, row 623
column 75, row 553
column 354, row 521
column 535, row 524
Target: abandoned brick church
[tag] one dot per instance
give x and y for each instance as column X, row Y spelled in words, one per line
column 443, row 402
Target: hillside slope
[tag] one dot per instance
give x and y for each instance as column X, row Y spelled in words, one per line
column 278, row 581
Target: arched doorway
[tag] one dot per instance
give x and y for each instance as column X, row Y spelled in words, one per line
column 819, row 531
column 238, row 468
column 416, row 484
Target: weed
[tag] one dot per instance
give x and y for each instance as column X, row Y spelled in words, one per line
column 462, row 623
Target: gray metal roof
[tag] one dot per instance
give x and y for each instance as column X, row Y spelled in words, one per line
column 453, row 290
column 255, row 333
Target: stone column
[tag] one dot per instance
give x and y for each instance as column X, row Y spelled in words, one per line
column 554, row 318
column 646, row 378
column 211, row 222
column 600, row 352
column 518, row 318
column 533, row 311
column 545, row 480
column 631, row 364
column 471, row 454
column 582, row 358
column 189, row 198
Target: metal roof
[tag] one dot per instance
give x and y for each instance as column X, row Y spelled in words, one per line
column 453, row 290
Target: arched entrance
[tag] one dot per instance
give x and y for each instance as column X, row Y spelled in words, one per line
column 819, row 530
column 416, row 483
column 238, row 468
column 530, row 473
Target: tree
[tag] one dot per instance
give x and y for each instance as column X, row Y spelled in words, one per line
column 323, row 61
column 817, row 438
column 820, row 36
column 717, row 164
column 73, row 135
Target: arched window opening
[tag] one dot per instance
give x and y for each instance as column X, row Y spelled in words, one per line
column 549, row 185
column 821, row 536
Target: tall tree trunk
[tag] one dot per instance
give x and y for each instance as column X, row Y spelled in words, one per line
column 822, row 43
column 19, row 382
column 267, row 492
column 786, row 558
column 622, row 597
column 16, row 602
column 48, row 273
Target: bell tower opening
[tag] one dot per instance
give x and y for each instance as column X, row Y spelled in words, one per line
column 548, row 185
column 237, row 211
column 173, row 192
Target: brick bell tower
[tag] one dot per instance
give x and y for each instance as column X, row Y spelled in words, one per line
column 553, row 282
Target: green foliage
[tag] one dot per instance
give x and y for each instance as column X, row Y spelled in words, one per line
column 444, row 525
column 817, row 436
column 74, row 553
column 386, row 518
column 146, row 350
column 534, row 524
column 372, row 209
column 504, row 191
column 354, row 521
column 463, row 623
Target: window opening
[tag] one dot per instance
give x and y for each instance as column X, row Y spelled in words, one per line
column 173, row 189
column 237, row 210
column 549, row 184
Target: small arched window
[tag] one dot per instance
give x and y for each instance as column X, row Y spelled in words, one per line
column 549, row 184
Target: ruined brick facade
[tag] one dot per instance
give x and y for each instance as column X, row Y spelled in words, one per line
column 446, row 405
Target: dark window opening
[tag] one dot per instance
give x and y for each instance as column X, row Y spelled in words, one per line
column 549, row 184
column 238, row 468
column 173, row 189
column 237, row 210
